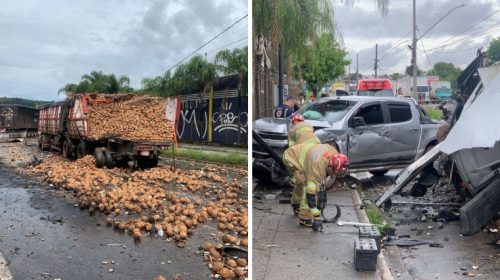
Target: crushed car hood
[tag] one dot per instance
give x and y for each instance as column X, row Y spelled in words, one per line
column 281, row 125
column 271, row 125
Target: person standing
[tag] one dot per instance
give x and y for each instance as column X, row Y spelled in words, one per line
column 285, row 110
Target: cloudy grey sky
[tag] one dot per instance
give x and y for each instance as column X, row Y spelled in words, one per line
column 362, row 27
column 46, row 44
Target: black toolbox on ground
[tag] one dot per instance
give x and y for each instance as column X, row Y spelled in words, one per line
column 365, row 254
column 371, row 232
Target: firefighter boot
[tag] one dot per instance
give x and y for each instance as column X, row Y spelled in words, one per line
column 306, row 223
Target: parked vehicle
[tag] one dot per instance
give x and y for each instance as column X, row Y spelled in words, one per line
column 65, row 126
column 18, row 121
column 377, row 134
column 375, row 87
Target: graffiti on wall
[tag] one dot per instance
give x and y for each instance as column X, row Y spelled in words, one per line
column 193, row 119
column 229, row 120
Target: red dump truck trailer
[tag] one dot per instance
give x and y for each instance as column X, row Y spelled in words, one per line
column 107, row 126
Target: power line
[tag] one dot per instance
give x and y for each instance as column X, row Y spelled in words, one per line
column 471, row 26
column 392, row 49
column 467, row 29
column 495, row 28
column 425, row 52
column 208, row 42
column 227, row 45
column 440, row 19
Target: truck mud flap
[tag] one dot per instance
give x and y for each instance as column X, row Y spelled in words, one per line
column 409, row 173
column 481, row 209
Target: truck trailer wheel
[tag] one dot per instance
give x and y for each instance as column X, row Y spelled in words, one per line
column 81, row 150
column 65, row 149
column 100, row 159
column 108, row 159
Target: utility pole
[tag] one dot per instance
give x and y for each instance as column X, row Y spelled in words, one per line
column 356, row 65
column 414, row 51
column 376, row 60
column 280, row 74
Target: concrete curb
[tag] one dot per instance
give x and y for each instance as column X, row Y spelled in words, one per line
column 382, row 267
column 4, row 270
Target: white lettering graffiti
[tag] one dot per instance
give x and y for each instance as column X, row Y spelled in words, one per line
column 188, row 115
column 228, row 120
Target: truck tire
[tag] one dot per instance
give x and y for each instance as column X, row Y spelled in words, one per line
column 379, row 172
column 108, row 158
column 66, row 149
column 81, row 150
column 100, row 159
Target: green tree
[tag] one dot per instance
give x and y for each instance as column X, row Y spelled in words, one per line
column 96, row 81
column 493, row 50
column 409, row 71
column 234, row 62
column 325, row 61
column 292, row 22
column 395, row 76
column 194, row 76
column 446, row 72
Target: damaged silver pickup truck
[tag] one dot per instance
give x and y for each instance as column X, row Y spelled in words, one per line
column 376, row 133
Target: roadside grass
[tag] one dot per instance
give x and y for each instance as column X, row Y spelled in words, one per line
column 211, row 156
column 376, row 218
column 434, row 114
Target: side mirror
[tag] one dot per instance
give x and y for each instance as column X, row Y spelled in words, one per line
column 358, row 121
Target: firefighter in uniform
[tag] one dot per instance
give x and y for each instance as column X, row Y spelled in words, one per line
column 300, row 133
column 311, row 163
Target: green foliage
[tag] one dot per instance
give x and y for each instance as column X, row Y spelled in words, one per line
column 446, row 72
column 395, row 76
column 22, row 101
column 200, row 155
column 292, row 22
column 493, row 50
column 409, row 71
column 99, row 82
column 325, row 61
column 434, row 114
column 376, row 218
column 198, row 74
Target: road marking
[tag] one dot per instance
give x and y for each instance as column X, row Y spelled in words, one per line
column 4, row 270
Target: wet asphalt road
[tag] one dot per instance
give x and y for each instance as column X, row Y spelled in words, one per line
column 43, row 236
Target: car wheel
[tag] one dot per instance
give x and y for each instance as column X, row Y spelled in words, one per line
column 379, row 172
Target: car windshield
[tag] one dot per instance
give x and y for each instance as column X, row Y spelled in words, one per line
column 379, row 93
column 329, row 111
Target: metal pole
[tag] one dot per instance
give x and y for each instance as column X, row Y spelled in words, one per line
column 357, row 65
column 280, row 81
column 376, row 60
column 414, row 51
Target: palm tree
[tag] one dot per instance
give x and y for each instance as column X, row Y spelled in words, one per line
column 96, row 81
column 234, row 62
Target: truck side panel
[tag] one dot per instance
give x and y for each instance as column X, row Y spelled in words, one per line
column 16, row 117
column 50, row 119
column 78, row 118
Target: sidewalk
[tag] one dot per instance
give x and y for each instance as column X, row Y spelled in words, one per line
column 285, row 250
